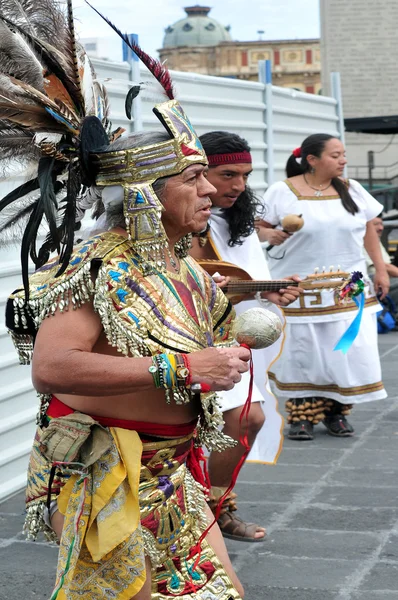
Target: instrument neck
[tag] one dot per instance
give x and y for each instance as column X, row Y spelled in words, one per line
column 258, row 286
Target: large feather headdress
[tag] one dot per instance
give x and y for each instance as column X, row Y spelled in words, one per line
column 52, row 112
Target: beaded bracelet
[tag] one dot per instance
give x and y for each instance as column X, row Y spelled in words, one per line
column 171, row 372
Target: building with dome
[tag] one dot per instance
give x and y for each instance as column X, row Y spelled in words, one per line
column 197, row 29
column 200, row 44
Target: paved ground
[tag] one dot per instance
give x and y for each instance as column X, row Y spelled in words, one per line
column 330, row 507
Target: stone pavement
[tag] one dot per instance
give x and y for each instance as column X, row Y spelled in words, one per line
column 330, row 508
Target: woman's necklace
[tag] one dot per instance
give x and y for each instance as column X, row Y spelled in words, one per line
column 318, row 190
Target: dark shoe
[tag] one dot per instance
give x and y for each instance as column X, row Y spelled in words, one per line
column 338, row 426
column 302, row 430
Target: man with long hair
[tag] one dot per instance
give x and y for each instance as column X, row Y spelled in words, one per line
column 231, row 237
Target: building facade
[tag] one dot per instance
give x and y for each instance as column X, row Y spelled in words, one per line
column 200, row 44
column 359, row 39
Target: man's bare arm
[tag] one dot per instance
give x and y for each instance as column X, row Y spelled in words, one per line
column 64, row 361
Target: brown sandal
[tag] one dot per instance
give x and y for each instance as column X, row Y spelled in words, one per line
column 232, row 526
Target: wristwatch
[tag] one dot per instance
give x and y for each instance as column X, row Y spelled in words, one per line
column 182, row 372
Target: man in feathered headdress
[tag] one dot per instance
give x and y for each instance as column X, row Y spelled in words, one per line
column 115, row 466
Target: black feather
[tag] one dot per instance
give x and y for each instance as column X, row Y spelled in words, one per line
column 69, row 217
column 13, row 221
column 49, row 245
column 93, row 137
column 19, row 192
column 132, row 93
column 29, row 239
column 48, row 199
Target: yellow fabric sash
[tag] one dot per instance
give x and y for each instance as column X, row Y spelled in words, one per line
column 101, row 548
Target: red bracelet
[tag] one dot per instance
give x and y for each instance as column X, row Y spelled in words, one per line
column 188, row 379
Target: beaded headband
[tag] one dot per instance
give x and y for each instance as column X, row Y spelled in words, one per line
column 229, row 158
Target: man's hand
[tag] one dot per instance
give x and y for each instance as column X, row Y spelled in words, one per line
column 284, row 296
column 220, row 368
column 221, row 281
column 381, row 282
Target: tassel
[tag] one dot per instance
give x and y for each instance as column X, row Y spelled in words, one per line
column 347, row 339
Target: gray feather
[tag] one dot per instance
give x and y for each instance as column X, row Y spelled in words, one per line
column 17, row 58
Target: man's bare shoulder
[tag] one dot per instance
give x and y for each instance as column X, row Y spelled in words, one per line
column 47, row 280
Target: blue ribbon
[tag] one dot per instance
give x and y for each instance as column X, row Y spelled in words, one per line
column 348, row 337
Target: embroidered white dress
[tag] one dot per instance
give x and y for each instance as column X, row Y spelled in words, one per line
column 331, row 236
column 249, row 256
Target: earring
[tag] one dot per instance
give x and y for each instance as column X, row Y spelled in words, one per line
column 312, row 170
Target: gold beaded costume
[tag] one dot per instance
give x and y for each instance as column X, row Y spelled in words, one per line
column 140, row 315
column 126, row 489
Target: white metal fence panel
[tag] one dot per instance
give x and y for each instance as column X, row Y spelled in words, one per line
column 18, row 403
column 212, row 103
column 295, row 115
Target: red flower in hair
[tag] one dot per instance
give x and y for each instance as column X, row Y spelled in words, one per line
column 297, row 153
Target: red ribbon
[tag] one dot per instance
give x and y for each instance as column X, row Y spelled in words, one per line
column 244, row 441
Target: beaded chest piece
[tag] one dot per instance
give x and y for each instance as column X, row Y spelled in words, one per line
column 141, row 315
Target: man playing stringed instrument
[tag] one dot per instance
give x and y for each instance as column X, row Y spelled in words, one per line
column 232, row 237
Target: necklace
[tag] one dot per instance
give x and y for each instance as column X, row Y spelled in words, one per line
column 173, row 262
column 318, row 190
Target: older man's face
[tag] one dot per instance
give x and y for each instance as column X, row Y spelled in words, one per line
column 186, row 201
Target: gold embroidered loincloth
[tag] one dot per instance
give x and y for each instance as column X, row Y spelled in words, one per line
column 102, row 551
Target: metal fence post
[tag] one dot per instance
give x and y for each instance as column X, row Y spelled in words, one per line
column 371, row 164
column 265, row 76
column 335, row 82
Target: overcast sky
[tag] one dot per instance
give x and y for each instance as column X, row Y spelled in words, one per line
column 280, row 19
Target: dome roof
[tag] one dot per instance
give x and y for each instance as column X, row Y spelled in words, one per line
column 197, row 29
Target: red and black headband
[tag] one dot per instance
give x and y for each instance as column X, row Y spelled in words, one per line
column 230, row 158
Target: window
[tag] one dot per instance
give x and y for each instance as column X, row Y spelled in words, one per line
column 91, row 47
column 277, row 58
column 244, row 58
column 308, row 57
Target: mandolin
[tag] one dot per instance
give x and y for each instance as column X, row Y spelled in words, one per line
column 243, row 287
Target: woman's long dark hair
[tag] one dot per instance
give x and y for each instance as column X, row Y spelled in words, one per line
column 241, row 216
column 315, row 145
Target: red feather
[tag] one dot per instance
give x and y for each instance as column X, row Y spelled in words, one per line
column 159, row 71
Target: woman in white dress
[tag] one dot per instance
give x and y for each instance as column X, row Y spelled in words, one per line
column 322, row 384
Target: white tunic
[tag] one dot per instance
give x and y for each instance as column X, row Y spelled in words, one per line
column 331, row 236
column 249, row 256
